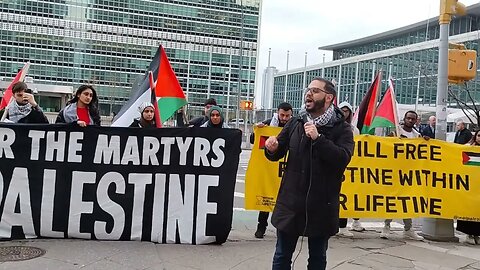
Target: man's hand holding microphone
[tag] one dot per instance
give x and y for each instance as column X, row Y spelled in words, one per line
column 310, row 131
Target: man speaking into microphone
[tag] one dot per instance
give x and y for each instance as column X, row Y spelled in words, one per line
column 320, row 145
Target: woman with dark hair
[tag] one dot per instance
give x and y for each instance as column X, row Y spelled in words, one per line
column 215, row 118
column 471, row 228
column 147, row 116
column 82, row 109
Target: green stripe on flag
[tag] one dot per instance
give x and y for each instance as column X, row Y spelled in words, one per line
column 169, row 105
column 379, row 121
column 473, row 163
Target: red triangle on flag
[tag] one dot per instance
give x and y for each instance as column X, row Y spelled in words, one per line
column 465, row 158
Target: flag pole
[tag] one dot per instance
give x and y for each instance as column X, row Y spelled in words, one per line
column 158, row 122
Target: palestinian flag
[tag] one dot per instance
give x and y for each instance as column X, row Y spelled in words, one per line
column 7, row 95
column 386, row 112
column 366, row 111
column 166, row 91
column 471, row 158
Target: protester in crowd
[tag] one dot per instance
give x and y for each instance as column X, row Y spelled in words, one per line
column 356, row 225
column 280, row 118
column 463, row 135
column 24, row 108
column 82, row 109
column 200, row 120
column 429, row 130
column 320, row 145
column 471, row 228
column 406, row 131
column 147, row 116
column 215, row 118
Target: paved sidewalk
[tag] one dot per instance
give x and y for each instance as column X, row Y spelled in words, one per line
column 242, row 251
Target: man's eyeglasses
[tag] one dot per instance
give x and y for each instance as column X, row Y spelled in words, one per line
column 316, row 90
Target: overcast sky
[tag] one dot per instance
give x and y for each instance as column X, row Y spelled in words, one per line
column 303, row 25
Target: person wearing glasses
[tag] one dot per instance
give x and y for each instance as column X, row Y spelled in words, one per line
column 82, row 109
column 320, row 145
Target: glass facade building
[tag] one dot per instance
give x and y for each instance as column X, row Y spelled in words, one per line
column 409, row 55
column 110, row 43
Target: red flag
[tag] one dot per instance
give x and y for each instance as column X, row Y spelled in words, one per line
column 167, row 89
column 366, row 110
column 386, row 114
column 153, row 97
column 7, row 95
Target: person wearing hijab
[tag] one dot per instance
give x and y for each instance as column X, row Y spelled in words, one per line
column 147, row 116
column 215, row 118
column 82, row 109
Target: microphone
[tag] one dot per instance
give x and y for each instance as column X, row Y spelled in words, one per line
column 303, row 116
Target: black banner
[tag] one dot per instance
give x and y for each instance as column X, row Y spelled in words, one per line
column 171, row 185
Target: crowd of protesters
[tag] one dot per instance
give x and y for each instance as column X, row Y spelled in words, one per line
column 328, row 129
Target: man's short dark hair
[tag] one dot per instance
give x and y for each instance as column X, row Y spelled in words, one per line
column 329, row 86
column 414, row 112
column 19, row 87
column 210, row 101
column 285, row 106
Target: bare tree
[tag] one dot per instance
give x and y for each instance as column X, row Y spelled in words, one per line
column 468, row 104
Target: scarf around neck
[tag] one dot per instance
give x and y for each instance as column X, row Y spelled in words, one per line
column 324, row 118
column 16, row 112
column 70, row 114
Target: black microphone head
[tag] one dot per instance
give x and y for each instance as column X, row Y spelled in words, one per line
column 303, row 116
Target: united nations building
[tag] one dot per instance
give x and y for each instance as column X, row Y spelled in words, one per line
column 110, row 43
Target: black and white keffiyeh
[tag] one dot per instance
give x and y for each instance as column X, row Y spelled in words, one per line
column 323, row 119
column 17, row 112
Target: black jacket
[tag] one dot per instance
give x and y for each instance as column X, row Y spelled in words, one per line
column 36, row 116
column 327, row 157
column 136, row 123
column 198, row 121
column 427, row 131
column 463, row 136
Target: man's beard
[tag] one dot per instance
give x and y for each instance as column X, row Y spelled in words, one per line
column 318, row 105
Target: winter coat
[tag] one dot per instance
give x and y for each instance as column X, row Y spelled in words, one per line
column 327, row 157
column 463, row 136
column 198, row 121
column 136, row 123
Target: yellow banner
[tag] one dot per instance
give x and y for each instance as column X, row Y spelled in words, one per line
column 387, row 178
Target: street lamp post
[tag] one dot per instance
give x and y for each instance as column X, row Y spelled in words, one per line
column 240, row 66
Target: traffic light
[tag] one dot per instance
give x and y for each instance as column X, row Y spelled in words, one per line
column 246, row 105
column 462, row 64
column 449, row 8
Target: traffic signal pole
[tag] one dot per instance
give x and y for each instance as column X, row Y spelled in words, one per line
column 442, row 229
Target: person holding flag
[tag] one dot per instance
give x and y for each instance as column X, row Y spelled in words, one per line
column 23, row 108
column 147, row 116
column 160, row 87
